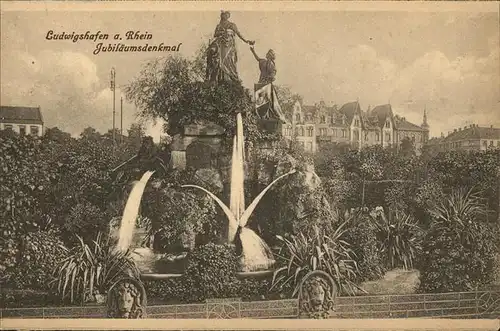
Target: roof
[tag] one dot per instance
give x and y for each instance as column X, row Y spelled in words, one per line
column 381, row 113
column 474, row 132
column 403, row 124
column 27, row 115
column 350, row 109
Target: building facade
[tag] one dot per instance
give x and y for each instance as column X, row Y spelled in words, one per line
column 469, row 138
column 350, row 127
column 23, row 120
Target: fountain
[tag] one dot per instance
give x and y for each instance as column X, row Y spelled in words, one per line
column 256, row 255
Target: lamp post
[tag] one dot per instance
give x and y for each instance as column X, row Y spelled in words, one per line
column 113, row 88
column 121, row 120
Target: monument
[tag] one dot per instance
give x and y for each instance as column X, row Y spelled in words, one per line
column 222, row 56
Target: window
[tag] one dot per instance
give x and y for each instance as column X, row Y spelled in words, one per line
column 308, row 117
column 34, row 130
column 485, row 144
column 366, row 136
column 322, row 132
column 334, row 132
column 356, row 135
column 387, row 137
column 356, row 122
column 491, row 143
column 377, row 136
column 301, row 131
column 297, row 117
column 8, row 127
column 344, row 133
column 387, row 124
column 296, row 131
column 309, row 146
column 310, row 131
column 22, row 130
column 323, row 119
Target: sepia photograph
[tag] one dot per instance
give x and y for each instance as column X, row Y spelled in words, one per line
column 308, row 163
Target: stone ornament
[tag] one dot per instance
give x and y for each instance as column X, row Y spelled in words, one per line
column 317, row 295
column 127, row 299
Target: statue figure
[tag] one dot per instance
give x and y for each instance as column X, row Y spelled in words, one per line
column 221, row 54
column 317, row 295
column 127, row 299
column 267, row 66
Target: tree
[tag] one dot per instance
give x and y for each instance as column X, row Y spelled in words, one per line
column 135, row 134
column 407, row 147
column 287, row 99
column 55, row 134
column 90, row 133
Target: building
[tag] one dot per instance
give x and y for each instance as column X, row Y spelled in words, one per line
column 351, row 127
column 469, row 138
column 23, row 120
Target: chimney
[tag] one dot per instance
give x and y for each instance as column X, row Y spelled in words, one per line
column 442, row 135
column 491, row 126
column 459, row 129
column 454, row 130
column 472, row 125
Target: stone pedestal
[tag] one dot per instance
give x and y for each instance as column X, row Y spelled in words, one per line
column 198, row 147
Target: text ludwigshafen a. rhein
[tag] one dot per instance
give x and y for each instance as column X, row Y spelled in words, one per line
column 114, row 44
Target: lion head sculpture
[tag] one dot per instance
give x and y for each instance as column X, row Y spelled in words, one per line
column 127, row 299
column 317, row 295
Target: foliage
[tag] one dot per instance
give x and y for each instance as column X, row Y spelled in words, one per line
column 11, row 298
column 178, row 214
column 304, row 253
column 85, row 218
column 92, row 269
column 210, row 273
column 399, row 236
column 460, row 247
column 477, row 169
column 24, row 178
column 460, row 211
column 32, row 260
column 362, row 235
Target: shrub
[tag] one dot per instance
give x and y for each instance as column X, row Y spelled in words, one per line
column 210, row 273
column 361, row 234
column 86, row 220
column 399, row 237
column 460, row 248
column 92, row 269
column 304, row 253
column 11, row 298
column 36, row 255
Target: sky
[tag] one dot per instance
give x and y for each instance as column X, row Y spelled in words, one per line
column 446, row 62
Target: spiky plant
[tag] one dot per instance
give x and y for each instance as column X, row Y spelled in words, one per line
column 91, row 268
column 400, row 237
column 304, row 253
column 460, row 211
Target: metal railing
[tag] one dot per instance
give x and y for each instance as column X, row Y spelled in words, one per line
column 476, row 304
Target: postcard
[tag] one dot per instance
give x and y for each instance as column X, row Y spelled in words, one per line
column 250, row 165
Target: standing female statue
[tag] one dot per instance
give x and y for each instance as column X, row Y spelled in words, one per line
column 221, row 54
